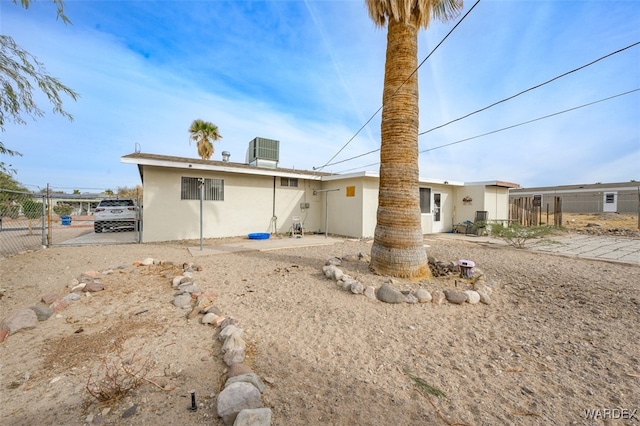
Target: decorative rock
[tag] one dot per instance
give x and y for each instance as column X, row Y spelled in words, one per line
column 22, row 319
column 42, row 312
column 59, row 305
column 423, row 295
column 234, row 341
column 78, row 287
column 237, row 369
column 329, row 271
column 182, row 300
column 472, row 296
column 253, row 417
column 235, row 398
column 209, row 318
column 456, row 297
column 248, row 378
column 388, row 294
column 484, row 297
column 147, row 262
column 176, row 281
column 4, row 332
column 188, row 288
column 437, row 297
column 357, row 287
column 410, row 298
column 93, row 286
column 370, row 292
column 333, row 261
column 234, row 355
column 337, row 274
column 483, row 287
column 229, row 321
column 49, row 298
column 228, row 331
column 71, row 297
column 212, row 309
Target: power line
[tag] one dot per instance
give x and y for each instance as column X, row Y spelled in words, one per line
column 530, row 89
column 493, row 104
column 512, row 126
column 530, row 121
column 394, row 93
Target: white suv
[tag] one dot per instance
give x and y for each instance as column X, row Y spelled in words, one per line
column 115, row 214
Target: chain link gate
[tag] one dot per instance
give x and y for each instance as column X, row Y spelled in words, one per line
column 30, row 221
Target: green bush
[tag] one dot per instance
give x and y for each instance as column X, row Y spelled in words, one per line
column 62, row 209
column 517, row 235
column 32, row 209
column 7, row 209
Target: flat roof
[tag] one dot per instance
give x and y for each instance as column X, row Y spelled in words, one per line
column 613, row 186
column 157, row 160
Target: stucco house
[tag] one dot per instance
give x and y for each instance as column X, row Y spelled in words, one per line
column 243, row 198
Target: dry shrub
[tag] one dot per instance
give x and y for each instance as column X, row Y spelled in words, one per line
column 118, row 375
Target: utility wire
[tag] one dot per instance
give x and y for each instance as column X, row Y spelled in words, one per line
column 530, row 89
column 510, row 127
column 493, row 104
column 394, row 93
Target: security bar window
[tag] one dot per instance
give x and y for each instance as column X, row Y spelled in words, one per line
column 213, row 189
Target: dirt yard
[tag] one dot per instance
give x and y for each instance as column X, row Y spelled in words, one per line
column 560, row 338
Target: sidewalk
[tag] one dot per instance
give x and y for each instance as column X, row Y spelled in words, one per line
column 596, row 247
column 273, row 243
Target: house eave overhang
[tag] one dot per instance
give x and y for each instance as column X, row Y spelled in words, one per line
column 212, row 166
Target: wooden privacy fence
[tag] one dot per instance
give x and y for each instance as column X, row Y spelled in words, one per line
column 527, row 211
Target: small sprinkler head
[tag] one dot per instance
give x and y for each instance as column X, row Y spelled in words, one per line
column 194, row 406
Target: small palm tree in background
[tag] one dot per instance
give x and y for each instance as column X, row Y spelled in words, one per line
column 204, row 133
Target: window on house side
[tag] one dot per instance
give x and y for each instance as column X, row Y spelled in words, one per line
column 425, row 200
column 292, row 182
column 213, row 189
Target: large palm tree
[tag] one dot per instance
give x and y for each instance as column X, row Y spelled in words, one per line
column 398, row 248
column 204, row 133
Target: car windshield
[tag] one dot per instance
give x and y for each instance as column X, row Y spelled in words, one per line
column 116, row 203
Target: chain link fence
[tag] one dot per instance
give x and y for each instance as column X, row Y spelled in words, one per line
column 30, row 221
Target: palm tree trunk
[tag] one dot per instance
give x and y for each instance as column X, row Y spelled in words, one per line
column 398, row 248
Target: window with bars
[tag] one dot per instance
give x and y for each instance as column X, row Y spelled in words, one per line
column 213, row 189
column 292, row 182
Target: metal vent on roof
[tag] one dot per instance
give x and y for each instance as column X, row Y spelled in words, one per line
column 264, row 152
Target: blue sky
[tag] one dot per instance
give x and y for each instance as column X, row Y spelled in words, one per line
column 310, row 74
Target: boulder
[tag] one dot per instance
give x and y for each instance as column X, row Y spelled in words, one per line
column 235, row 398
column 456, row 297
column 388, row 294
column 22, row 319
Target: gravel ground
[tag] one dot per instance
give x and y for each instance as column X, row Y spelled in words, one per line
column 560, row 337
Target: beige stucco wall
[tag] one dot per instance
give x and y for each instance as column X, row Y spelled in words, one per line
column 490, row 198
column 344, row 213
column 467, row 211
column 356, row 216
column 247, row 205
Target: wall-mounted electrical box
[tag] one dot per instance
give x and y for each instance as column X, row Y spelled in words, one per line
column 304, row 206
